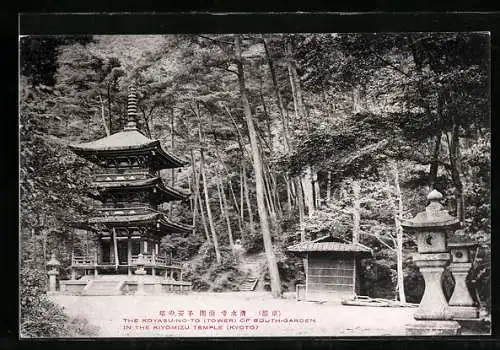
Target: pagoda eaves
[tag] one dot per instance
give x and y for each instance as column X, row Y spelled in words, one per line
column 127, row 143
column 162, row 222
column 156, row 184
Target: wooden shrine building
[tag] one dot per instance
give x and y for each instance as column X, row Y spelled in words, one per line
column 331, row 268
column 129, row 223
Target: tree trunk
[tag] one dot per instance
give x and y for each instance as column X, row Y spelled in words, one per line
column 298, row 102
column 456, row 172
column 247, row 198
column 268, row 193
column 44, row 247
column 103, row 116
column 203, row 218
column 171, row 149
column 146, row 122
column 399, row 237
column 433, row 171
column 355, row 212
column 274, row 189
column 230, row 185
column 224, row 212
column 329, row 187
column 317, row 194
column 268, row 119
column 279, row 99
column 398, row 213
column 109, row 108
column 196, row 188
column 300, row 205
column 259, row 180
column 300, row 114
column 288, row 193
column 172, row 138
column 308, row 188
column 209, row 211
column 241, row 194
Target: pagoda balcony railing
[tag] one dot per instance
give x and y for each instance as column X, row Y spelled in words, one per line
column 132, row 210
column 148, row 260
column 153, row 260
column 83, row 261
column 122, row 176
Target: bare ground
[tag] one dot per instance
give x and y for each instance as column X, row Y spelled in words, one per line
column 142, row 316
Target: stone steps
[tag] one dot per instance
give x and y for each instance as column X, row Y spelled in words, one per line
column 103, row 287
column 248, row 284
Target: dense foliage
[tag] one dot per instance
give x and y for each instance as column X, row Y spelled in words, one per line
column 392, row 115
column 40, row 317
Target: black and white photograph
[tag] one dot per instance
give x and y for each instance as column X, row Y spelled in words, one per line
column 255, row 185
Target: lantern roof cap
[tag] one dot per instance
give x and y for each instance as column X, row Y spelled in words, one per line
column 434, row 195
column 461, row 241
column 434, row 216
column 53, row 261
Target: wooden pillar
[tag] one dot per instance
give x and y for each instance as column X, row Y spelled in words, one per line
column 73, row 274
column 129, row 255
column 306, row 270
column 111, row 252
column 354, row 274
column 153, row 271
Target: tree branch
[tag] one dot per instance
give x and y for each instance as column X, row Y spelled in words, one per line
column 378, row 238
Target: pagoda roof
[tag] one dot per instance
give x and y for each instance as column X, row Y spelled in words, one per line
column 158, row 218
column 127, row 141
column 170, row 193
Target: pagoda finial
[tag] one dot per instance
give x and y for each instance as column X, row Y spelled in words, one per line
column 131, row 109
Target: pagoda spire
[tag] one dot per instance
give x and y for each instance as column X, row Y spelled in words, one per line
column 131, row 109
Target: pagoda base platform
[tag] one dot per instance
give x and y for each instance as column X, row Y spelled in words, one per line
column 123, row 285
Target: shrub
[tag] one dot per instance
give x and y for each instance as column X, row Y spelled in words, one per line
column 40, row 317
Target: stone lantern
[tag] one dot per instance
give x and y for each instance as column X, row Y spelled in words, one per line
column 53, row 270
column 140, row 271
column 140, row 265
column 431, row 227
column 461, row 303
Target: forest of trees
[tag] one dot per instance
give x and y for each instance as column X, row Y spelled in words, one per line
column 289, row 137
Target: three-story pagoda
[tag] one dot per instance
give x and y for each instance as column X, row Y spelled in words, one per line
column 129, row 224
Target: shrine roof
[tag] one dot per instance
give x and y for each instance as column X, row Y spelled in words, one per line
column 328, row 247
column 170, row 192
column 127, row 140
column 143, row 218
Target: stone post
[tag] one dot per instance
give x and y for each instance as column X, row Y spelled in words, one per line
column 461, row 303
column 140, row 271
column 433, row 316
column 53, row 270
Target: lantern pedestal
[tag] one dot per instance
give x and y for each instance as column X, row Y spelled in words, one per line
column 443, row 328
column 461, row 303
column 141, row 272
column 433, row 305
column 52, row 280
column 140, row 286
